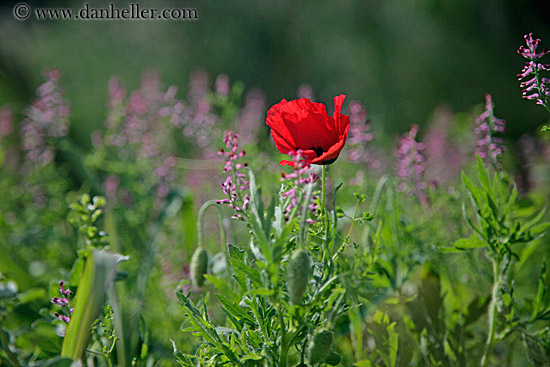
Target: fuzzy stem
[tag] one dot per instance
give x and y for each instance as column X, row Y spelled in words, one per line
column 492, row 313
column 323, row 202
column 200, row 227
column 323, row 191
column 284, row 348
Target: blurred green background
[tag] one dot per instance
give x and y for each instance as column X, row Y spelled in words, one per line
column 400, row 58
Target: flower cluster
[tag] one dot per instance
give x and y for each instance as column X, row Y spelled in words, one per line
column 6, row 122
column 303, row 174
column 195, row 115
column 6, row 128
column 536, row 88
column 236, row 183
column 47, row 117
column 411, row 164
column 487, row 125
column 360, row 136
column 444, row 157
column 137, row 131
column 63, row 301
column 251, row 115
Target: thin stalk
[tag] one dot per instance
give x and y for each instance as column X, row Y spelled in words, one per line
column 324, row 211
column 323, row 195
column 344, row 243
column 107, row 358
column 492, row 313
column 200, row 228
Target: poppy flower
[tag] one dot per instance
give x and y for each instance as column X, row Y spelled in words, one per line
column 302, row 125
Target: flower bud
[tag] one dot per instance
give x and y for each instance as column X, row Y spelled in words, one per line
column 298, row 272
column 319, row 347
column 199, row 266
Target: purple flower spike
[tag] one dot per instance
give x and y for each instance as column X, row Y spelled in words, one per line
column 487, row 125
column 235, row 185
column 535, row 88
column 63, row 302
column 302, row 175
column 47, row 118
column 411, row 165
column 360, row 136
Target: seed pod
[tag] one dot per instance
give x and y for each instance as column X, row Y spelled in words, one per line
column 298, row 272
column 199, row 266
column 319, row 347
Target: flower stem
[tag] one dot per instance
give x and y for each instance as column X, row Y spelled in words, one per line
column 323, row 196
column 284, row 346
column 492, row 313
column 200, row 228
column 223, row 235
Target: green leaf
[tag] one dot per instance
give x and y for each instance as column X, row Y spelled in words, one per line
column 97, row 277
column 393, row 337
column 57, row 361
column 222, row 286
column 278, row 222
column 483, row 176
column 260, row 292
column 363, row 363
column 234, row 308
column 242, row 269
column 538, row 305
column 269, row 214
column 182, row 359
column 31, row 295
column 469, row 243
column 235, row 252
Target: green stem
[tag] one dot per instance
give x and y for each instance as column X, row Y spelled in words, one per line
column 323, row 194
column 344, row 243
column 324, row 212
column 284, row 347
column 200, row 227
column 11, row 357
column 492, row 313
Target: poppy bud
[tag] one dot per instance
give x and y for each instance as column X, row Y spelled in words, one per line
column 199, row 266
column 319, row 348
column 298, row 270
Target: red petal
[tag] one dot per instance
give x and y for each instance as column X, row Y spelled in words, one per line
column 333, row 152
column 301, row 124
column 342, row 121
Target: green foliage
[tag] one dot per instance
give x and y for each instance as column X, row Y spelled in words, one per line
column 266, row 322
column 84, row 216
column 362, row 280
column 97, row 277
column 498, row 224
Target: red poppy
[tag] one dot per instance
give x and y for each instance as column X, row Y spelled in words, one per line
column 304, row 125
